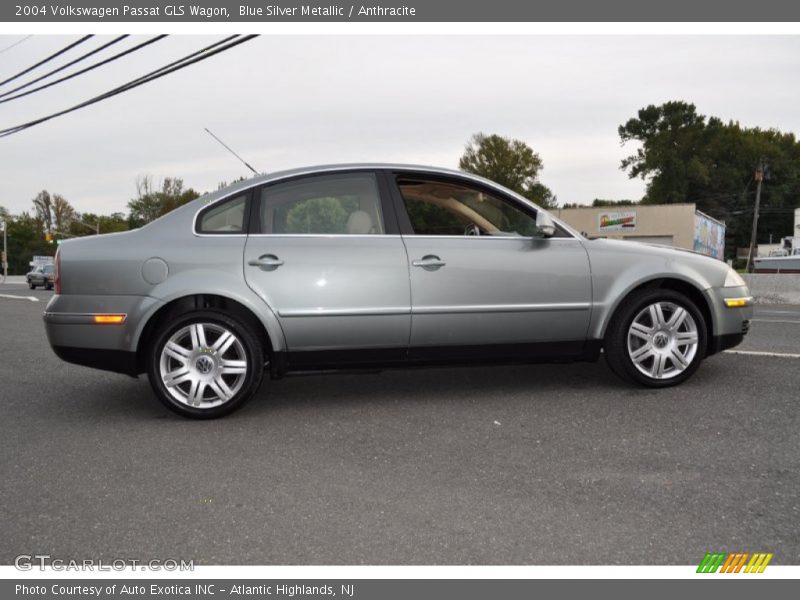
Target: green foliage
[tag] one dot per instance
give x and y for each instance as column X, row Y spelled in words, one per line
column 224, row 184
column 509, row 162
column 55, row 212
column 25, row 239
column 600, row 202
column 315, row 215
column 86, row 224
column 687, row 157
column 151, row 204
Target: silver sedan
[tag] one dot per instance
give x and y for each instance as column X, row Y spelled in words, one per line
column 376, row 265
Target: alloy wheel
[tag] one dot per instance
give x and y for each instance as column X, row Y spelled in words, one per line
column 662, row 340
column 203, row 365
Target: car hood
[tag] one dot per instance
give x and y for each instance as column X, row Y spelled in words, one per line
column 650, row 249
column 657, row 259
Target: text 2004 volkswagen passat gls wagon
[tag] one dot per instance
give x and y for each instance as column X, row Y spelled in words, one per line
column 377, row 265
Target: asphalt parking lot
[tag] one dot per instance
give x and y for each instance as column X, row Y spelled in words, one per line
column 543, row 464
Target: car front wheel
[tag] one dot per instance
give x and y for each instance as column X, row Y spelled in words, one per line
column 205, row 364
column 657, row 338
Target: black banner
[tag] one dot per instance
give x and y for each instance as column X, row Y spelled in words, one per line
column 393, row 589
column 35, row 11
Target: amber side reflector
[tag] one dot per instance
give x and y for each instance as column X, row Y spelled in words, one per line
column 736, row 302
column 109, row 319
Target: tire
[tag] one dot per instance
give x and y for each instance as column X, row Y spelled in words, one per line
column 200, row 388
column 656, row 338
column 31, row 285
column 48, row 286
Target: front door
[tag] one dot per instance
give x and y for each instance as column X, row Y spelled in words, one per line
column 484, row 282
column 332, row 267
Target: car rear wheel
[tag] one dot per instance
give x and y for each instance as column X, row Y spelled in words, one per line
column 657, row 338
column 205, row 364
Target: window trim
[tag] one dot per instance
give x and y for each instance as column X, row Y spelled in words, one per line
column 406, row 229
column 390, row 227
column 198, row 217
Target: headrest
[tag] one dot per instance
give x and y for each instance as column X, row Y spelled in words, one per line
column 359, row 223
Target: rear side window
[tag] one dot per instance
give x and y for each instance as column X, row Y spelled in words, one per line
column 342, row 204
column 225, row 217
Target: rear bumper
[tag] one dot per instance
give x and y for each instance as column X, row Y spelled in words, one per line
column 76, row 337
column 118, row 361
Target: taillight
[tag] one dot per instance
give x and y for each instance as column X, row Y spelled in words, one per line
column 57, row 272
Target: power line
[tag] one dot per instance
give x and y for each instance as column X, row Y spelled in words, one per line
column 177, row 65
column 118, row 90
column 61, row 68
column 17, row 43
column 82, row 71
column 49, row 58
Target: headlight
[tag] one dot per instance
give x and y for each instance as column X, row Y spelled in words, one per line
column 733, row 279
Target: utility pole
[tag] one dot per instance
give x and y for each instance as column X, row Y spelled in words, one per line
column 5, row 251
column 759, row 177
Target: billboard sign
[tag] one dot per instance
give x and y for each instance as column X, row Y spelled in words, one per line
column 709, row 236
column 617, row 221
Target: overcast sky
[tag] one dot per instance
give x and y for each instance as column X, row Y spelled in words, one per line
column 290, row 101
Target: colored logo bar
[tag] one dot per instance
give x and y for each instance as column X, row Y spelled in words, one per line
column 734, row 562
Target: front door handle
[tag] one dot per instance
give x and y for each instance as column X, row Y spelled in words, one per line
column 266, row 261
column 429, row 261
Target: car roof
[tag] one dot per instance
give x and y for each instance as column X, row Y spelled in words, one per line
column 332, row 168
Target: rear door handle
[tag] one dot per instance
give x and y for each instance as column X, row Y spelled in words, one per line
column 429, row 261
column 266, row 261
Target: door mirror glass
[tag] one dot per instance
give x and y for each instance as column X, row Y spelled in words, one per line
column 545, row 225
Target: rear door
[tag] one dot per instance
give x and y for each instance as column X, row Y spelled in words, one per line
column 326, row 255
column 484, row 282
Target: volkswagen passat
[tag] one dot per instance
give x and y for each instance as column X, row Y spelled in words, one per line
column 376, row 266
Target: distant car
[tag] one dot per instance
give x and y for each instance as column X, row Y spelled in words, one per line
column 43, row 276
column 377, row 266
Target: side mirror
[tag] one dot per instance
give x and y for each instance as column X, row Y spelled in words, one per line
column 545, row 224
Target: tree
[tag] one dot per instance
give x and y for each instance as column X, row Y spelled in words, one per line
column 108, row 224
column 42, row 205
column 150, row 203
column 600, row 202
column 63, row 213
column 509, row 162
column 320, row 215
column 686, row 157
column 55, row 212
column 25, row 239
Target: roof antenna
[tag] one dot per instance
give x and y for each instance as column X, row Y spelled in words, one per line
column 231, row 151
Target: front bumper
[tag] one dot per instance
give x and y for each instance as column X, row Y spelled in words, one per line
column 732, row 309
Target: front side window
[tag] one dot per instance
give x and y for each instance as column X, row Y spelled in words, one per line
column 442, row 208
column 341, row 204
column 225, row 217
